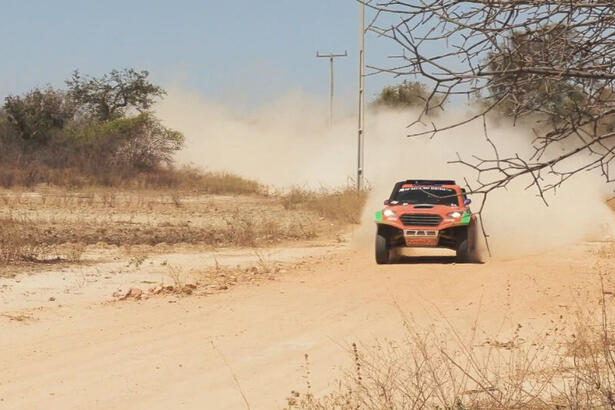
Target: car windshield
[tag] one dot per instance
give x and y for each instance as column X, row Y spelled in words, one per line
column 427, row 195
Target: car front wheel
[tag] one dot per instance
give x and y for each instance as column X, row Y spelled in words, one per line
column 382, row 249
column 463, row 251
column 467, row 251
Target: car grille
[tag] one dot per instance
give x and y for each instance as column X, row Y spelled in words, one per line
column 421, row 219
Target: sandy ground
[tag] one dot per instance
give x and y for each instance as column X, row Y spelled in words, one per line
column 83, row 284
column 206, row 351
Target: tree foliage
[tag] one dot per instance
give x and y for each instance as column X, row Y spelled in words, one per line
column 99, row 126
column 404, row 95
column 38, row 114
column 113, row 95
column 140, row 142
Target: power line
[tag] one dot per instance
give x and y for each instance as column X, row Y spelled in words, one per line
column 331, row 56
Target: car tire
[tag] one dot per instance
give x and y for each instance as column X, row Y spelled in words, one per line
column 467, row 245
column 382, row 250
column 463, row 254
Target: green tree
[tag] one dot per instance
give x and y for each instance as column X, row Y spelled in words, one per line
column 10, row 142
column 404, row 95
column 136, row 143
column 39, row 114
column 100, row 126
column 113, row 95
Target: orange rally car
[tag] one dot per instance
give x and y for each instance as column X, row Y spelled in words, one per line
column 426, row 213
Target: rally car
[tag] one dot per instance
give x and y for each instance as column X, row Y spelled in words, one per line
column 426, row 213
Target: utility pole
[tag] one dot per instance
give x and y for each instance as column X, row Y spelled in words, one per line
column 331, row 56
column 361, row 139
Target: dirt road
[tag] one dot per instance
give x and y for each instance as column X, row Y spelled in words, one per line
column 207, row 351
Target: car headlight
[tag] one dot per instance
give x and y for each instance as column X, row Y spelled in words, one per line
column 455, row 214
column 388, row 213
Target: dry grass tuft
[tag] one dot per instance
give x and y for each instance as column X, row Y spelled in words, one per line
column 21, row 241
column 18, row 245
column 441, row 370
column 342, row 205
column 195, row 180
column 185, row 178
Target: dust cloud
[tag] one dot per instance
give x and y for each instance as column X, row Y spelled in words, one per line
column 288, row 143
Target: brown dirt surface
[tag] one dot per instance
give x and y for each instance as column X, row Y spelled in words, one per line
column 209, row 350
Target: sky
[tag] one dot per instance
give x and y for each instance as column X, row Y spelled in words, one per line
column 243, row 50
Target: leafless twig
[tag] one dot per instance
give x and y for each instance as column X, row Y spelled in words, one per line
column 551, row 62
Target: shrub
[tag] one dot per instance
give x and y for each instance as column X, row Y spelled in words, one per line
column 99, row 127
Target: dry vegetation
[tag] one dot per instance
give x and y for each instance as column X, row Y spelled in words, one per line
column 185, row 178
column 570, row 366
column 343, row 204
column 46, row 224
column 440, row 371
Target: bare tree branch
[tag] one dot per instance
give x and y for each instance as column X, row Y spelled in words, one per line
column 547, row 63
